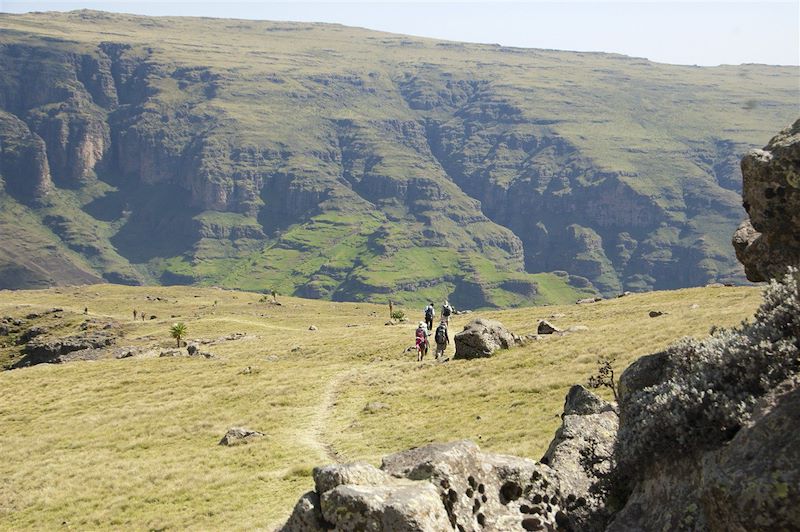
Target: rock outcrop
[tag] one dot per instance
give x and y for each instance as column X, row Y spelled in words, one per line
column 703, row 440
column 770, row 240
column 85, row 346
column 582, row 454
column 482, row 338
column 456, row 486
column 751, row 483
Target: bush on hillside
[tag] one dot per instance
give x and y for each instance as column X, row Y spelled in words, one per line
column 398, row 314
column 711, row 386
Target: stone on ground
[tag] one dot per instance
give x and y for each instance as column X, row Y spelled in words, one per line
column 482, row 338
column 239, row 435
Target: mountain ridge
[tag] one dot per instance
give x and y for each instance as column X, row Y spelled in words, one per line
column 341, row 163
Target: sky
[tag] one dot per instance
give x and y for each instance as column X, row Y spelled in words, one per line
column 680, row 32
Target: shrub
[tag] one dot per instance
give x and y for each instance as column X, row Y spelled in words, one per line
column 178, row 331
column 710, row 387
column 398, row 314
column 604, row 378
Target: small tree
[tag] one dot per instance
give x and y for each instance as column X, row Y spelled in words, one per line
column 604, row 377
column 178, row 331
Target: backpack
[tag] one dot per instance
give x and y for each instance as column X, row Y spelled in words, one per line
column 429, row 313
column 446, row 310
column 421, row 334
column 441, row 334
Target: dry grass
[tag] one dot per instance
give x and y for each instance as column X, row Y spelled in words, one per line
column 133, row 443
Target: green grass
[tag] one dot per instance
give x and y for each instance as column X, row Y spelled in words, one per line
column 132, row 443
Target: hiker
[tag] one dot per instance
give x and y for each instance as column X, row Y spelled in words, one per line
column 421, row 337
column 430, row 313
column 442, row 339
column 391, row 310
column 447, row 310
column 134, row 314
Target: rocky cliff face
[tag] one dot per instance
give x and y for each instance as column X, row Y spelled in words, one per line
column 358, row 170
column 24, row 167
column 769, row 240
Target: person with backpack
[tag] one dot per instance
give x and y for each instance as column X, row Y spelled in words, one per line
column 442, row 339
column 421, row 337
column 430, row 313
column 447, row 310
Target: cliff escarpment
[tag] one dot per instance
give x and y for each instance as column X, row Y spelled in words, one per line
column 347, row 164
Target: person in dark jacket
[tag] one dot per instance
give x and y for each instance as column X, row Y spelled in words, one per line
column 442, row 338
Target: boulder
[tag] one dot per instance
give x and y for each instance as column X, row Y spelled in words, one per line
column 769, row 241
column 239, row 435
column 448, row 486
column 328, row 477
column 545, row 327
column 582, row 454
column 667, row 498
column 706, row 437
column 655, row 313
column 753, row 483
column 306, row 516
column 404, row 508
column 646, row 371
column 481, row 338
column 480, row 490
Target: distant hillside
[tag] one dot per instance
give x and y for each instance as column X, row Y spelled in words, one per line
column 347, row 164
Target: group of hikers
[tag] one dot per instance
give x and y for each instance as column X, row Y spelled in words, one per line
column 441, row 336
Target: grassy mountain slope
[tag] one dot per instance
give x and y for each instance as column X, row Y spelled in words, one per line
column 132, row 443
column 342, row 163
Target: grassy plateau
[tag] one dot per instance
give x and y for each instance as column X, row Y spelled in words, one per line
column 133, row 443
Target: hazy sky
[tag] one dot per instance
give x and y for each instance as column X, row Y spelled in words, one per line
column 684, row 32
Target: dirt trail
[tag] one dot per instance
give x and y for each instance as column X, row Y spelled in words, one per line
column 314, row 435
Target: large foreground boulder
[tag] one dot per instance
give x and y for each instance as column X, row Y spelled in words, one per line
column 706, row 437
column 770, row 240
column 482, row 338
column 751, row 483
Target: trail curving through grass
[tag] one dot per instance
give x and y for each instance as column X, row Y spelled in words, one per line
column 314, row 435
